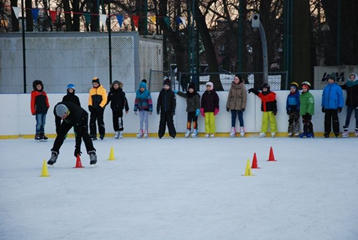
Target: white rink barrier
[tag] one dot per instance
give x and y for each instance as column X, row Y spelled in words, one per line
column 16, row 119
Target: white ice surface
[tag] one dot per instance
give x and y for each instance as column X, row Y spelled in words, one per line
column 182, row 189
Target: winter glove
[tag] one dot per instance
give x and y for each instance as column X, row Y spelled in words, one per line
column 216, row 111
column 175, row 91
column 243, row 109
column 228, row 109
column 202, row 112
column 197, row 112
column 323, row 110
column 274, row 112
column 251, row 90
column 77, row 152
column 90, row 108
column 339, row 109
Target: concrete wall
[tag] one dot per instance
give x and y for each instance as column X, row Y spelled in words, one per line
column 16, row 118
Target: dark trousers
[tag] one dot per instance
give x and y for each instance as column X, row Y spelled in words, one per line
column 349, row 114
column 97, row 115
column 307, row 123
column 331, row 117
column 239, row 114
column 117, row 120
column 166, row 118
column 65, row 127
column 192, row 118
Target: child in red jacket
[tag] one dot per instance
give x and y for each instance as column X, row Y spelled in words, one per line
column 39, row 107
column 268, row 107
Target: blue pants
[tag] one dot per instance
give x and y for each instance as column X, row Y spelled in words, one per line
column 239, row 113
column 40, row 123
column 349, row 114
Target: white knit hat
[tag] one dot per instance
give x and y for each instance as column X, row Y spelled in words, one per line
column 210, row 84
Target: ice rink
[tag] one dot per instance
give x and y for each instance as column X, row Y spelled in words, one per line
column 182, row 189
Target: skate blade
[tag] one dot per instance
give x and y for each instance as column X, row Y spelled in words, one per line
column 93, row 165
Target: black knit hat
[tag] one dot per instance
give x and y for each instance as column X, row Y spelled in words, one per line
column 167, row 82
column 191, row 85
column 95, row 79
column 331, row 76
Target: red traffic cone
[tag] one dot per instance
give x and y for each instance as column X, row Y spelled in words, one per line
column 78, row 162
column 271, row 157
column 254, row 162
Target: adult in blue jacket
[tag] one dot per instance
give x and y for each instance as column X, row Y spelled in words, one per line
column 332, row 104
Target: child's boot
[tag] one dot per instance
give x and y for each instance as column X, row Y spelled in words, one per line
column 93, row 157
column 233, row 132
column 242, row 131
column 120, row 134
column 195, row 133
column 140, row 134
column 145, row 133
column 345, row 133
column 187, row 133
column 116, row 135
column 262, row 135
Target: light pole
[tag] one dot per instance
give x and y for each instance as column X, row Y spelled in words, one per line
column 23, row 44
column 256, row 23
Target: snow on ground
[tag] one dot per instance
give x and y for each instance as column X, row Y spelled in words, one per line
column 182, row 189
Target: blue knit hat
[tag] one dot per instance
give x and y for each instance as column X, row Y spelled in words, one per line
column 143, row 85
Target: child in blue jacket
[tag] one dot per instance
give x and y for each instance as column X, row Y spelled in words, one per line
column 332, row 104
column 293, row 110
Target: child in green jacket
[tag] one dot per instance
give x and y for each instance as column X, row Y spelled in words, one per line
column 306, row 110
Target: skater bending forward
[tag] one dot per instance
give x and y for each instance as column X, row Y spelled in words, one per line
column 72, row 116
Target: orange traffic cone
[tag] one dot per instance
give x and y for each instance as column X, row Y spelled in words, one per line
column 254, row 162
column 271, row 157
column 78, row 162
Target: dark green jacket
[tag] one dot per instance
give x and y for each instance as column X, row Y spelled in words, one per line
column 306, row 103
column 193, row 103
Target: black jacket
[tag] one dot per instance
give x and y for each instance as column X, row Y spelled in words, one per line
column 118, row 100
column 71, row 97
column 78, row 118
column 352, row 94
column 210, row 101
column 166, row 101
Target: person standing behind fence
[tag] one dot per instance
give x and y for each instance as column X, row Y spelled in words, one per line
column 293, row 110
column 351, row 87
column 118, row 102
column 193, row 109
column 166, row 104
column 39, row 108
column 269, row 109
column 236, row 103
column 209, row 109
column 332, row 104
column 96, row 102
column 143, row 103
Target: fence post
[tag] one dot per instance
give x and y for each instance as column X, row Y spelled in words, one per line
column 23, row 44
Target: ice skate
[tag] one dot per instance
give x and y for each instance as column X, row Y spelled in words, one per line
column 296, row 134
column 302, row 135
column 43, row 137
column 212, row 135
column 207, row 135
column 233, row 132
column 262, row 135
column 140, row 134
column 187, row 133
column 309, row 135
column 242, row 131
column 195, row 133
column 116, row 135
column 145, row 134
column 120, row 134
column 37, row 137
column 93, row 157
column 273, row 135
column 289, row 134
column 345, row 132
column 101, row 136
column 93, row 137
column 326, row 134
column 356, row 132
column 53, row 158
